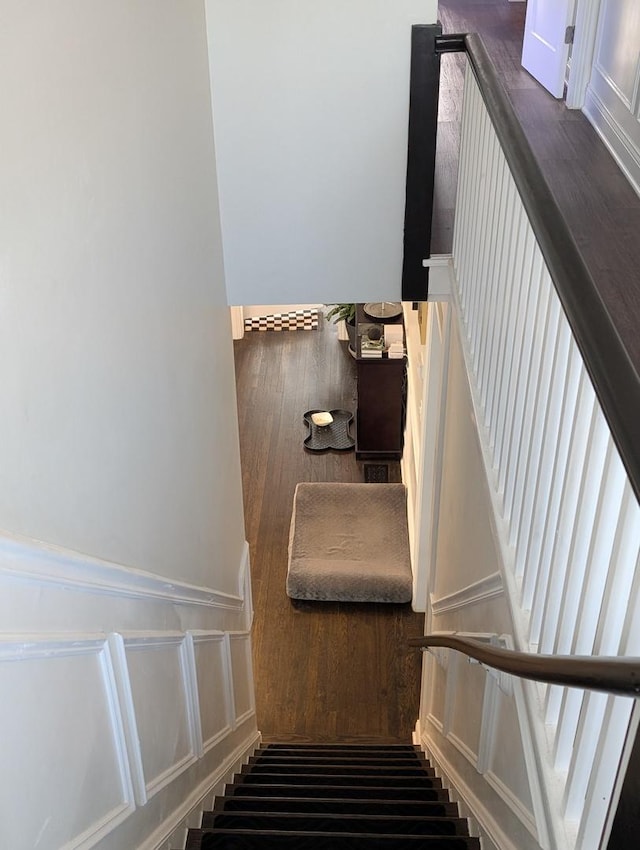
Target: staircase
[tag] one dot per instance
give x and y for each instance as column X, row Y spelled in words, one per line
column 334, row 796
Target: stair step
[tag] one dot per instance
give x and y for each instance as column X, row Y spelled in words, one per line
column 341, row 752
column 338, row 769
column 409, row 759
column 275, row 840
column 333, row 746
column 364, row 780
column 355, row 791
column 336, row 806
column 370, row 824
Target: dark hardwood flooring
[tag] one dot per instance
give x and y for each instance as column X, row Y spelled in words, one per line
column 600, row 206
column 323, row 671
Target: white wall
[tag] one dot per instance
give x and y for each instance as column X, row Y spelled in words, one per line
column 115, row 354
column 311, row 110
column 124, row 653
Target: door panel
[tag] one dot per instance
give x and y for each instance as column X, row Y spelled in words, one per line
column 544, row 52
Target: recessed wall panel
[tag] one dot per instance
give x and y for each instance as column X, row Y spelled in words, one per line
column 162, row 711
column 466, row 720
column 59, row 716
column 241, row 671
column 213, row 678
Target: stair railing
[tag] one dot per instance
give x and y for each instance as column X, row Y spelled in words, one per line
column 611, row 675
column 614, row 376
column 556, row 400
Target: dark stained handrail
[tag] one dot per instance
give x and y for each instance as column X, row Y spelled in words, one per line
column 612, row 675
column 614, row 376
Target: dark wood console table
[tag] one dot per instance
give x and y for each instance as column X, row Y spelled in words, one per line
column 380, row 411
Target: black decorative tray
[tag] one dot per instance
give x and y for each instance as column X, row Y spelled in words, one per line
column 383, row 309
column 335, row 436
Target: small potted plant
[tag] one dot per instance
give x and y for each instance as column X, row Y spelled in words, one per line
column 344, row 313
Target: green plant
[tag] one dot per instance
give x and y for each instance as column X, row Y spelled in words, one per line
column 340, row 312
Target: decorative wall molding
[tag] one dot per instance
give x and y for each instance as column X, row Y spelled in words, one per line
column 220, row 638
column 582, row 52
column 244, row 585
column 241, row 676
column 158, row 641
column 191, row 678
column 436, row 723
column 524, row 815
column 512, row 687
column 479, row 591
column 463, row 791
column 23, row 647
column 488, row 732
column 128, row 729
column 608, row 80
column 19, row 649
column 221, row 774
column 125, row 698
column 33, row 561
column 463, row 748
column 614, row 137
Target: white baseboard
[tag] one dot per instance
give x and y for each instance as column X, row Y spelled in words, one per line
column 463, row 792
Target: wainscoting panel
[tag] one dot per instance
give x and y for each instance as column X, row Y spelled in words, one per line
column 213, row 679
column 115, row 734
column 242, row 674
column 613, row 96
column 59, row 707
column 466, row 711
column 162, row 705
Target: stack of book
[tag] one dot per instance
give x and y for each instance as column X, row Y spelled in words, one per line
column 371, row 347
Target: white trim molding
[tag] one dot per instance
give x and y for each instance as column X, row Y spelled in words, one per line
column 478, row 591
column 524, row 815
column 198, row 799
column 246, row 675
column 201, row 637
column 586, row 24
column 27, row 648
column 148, row 642
column 618, row 142
column 34, row 561
column 462, row 791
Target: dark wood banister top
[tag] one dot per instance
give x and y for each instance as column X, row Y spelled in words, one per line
column 612, row 675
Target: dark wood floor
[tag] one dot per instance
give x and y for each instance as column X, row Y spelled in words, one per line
column 600, row 206
column 322, row 670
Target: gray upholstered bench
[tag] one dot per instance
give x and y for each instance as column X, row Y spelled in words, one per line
column 349, row 543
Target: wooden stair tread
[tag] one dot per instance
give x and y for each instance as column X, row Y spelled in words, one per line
column 338, row 797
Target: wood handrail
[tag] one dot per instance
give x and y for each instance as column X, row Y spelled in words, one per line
column 610, row 674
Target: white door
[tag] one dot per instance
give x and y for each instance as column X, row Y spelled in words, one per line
column 612, row 102
column 544, row 51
